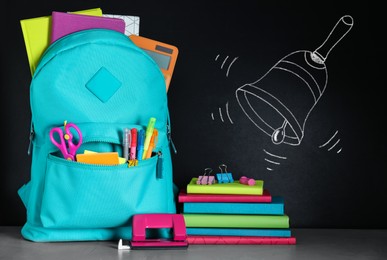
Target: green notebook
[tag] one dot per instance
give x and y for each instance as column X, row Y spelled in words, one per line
column 37, row 32
column 226, row 188
column 236, row 221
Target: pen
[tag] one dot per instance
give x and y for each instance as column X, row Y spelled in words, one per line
column 148, row 135
column 125, row 143
column 152, row 144
column 140, row 143
column 133, row 144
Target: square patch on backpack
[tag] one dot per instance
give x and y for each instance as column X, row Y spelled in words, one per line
column 103, row 84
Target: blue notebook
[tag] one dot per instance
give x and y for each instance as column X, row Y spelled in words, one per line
column 258, row 232
column 276, row 207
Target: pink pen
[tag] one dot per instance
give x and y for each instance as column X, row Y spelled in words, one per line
column 133, row 144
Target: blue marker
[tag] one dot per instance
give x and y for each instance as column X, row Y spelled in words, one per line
column 140, row 143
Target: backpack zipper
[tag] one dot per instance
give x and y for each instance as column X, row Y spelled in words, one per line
column 31, row 137
column 159, row 165
column 169, row 136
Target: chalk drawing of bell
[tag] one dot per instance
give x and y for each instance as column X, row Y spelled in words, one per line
column 280, row 102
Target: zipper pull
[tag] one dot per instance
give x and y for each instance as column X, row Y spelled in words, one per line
column 159, row 166
column 169, row 134
column 31, row 137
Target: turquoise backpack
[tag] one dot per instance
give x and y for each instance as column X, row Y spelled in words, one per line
column 100, row 81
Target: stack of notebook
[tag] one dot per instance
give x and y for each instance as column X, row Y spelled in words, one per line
column 40, row 32
column 234, row 213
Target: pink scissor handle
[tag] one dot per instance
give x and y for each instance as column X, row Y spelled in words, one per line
column 62, row 143
column 70, row 151
column 69, row 137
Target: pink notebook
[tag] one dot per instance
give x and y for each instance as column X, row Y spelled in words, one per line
column 66, row 23
column 201, row 197
column 240, row 240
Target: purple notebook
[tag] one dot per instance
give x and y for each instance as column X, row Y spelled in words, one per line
column 66, row 23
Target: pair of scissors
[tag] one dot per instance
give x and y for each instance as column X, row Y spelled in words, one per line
column 68, row 150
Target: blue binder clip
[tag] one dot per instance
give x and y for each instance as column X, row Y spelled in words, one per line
column 206, row 179
column 224, row 177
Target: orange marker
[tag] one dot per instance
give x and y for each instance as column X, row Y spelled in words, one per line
column 152, row 144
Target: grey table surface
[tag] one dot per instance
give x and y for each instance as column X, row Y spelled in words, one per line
column 312, row 244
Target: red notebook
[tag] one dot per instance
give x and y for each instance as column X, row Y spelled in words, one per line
column 66, row 23
column 200, row 197
column 240, row 240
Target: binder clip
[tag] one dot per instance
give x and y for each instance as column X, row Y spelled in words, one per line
column 224, row 177
column 247, row 181
column 157, row 220
column 206, row 179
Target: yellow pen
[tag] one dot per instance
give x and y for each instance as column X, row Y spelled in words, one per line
column 148, row 135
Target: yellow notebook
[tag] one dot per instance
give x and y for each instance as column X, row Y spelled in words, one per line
column 37, row 32
column 225, row 188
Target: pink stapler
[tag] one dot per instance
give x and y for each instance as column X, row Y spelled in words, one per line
column 157, row 220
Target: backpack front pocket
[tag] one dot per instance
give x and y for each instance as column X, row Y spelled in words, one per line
column 78, row 195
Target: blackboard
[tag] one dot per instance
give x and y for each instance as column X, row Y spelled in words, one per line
column 235, row 56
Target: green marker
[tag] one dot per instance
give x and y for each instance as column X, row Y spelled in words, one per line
column 148, row 135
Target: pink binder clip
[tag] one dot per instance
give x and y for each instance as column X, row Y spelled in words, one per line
column 206, row 179
column 247, row 181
